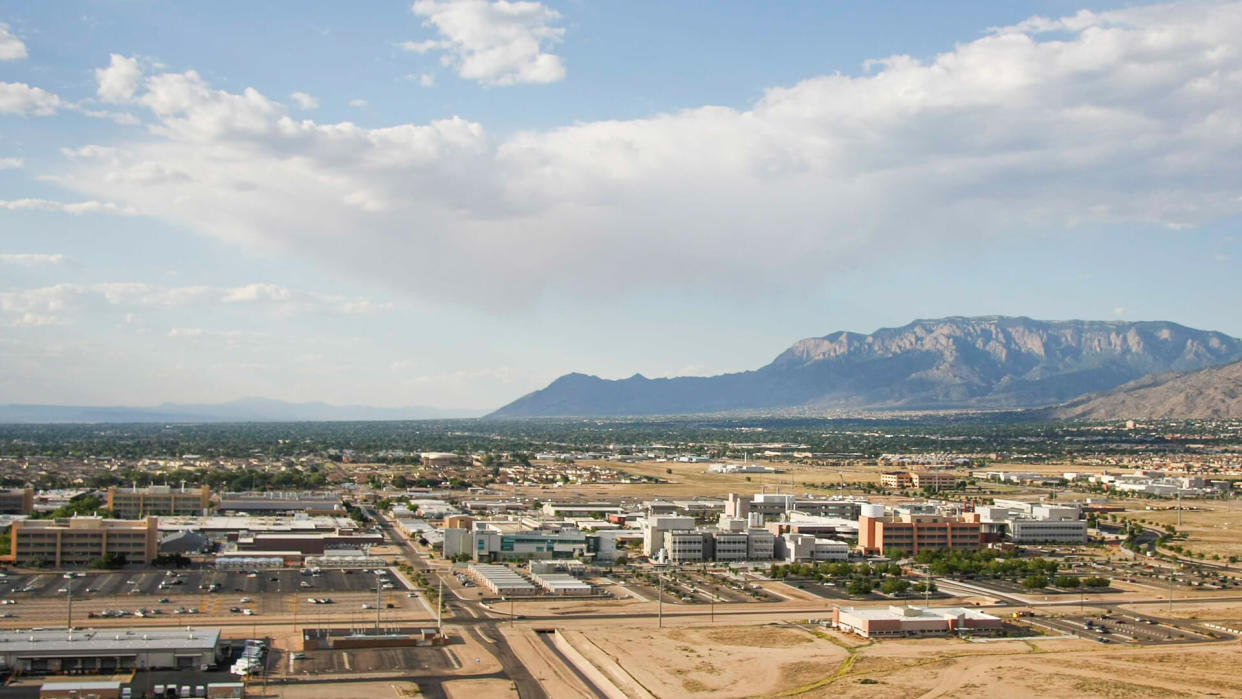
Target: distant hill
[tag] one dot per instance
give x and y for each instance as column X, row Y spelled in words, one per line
column 948, row 363
column 242, row 410
column 1215, row 392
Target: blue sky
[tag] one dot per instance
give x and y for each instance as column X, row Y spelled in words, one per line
column 450, row 203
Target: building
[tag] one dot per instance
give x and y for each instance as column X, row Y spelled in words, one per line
column 282, row 503
column 493, row 545
column 807, row 547
column 933, row 479
column 899, row 621
column 653, row 529
column 499, row 580
column 136, row 503
column 53, row 651
column 80, row 689
column 78, row 541
column 311, row 543
column 896, row 479
column 16, row 501
column 442, row 459
column 687, row 545
column 912, row 533
column 1050, row 531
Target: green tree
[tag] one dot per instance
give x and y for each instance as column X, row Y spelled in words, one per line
column 1035, row 582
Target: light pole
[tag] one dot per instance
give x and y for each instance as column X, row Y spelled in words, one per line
column 660, row 601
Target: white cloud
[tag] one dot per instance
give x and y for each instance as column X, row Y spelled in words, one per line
column 423, row 79
column 421, row 46
column 11, row 48
column 304, row 101
column 358, row 103
column 20, row 98
column 76, row 208
column 31, row 259
column 11, row 163
column 61, row 300
column 1133, row 118
column 494, row 43
column 119, row 80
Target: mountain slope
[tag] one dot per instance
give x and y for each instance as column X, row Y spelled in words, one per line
column 1215, row 392
column 985, row 362
column 242, row 410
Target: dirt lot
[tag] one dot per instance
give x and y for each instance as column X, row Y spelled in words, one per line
column 773, row 660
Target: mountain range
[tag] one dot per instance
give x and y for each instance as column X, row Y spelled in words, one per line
column 986, row 362
column 241, row 410
column 1215, row 392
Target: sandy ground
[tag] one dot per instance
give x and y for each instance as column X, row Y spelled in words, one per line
column 774, row 660
column 480, row 689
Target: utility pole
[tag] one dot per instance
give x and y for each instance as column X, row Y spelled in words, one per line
column 660, row 598
column 1179, row 508
column 440, row 607
column 69, row 619
column 377, row 604
column 1171, row 588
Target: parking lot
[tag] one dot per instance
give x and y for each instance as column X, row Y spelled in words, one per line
column 198, row 581
column 363, row 660
column 1116, row 627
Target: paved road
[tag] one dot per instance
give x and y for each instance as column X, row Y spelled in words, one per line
column 527, row 686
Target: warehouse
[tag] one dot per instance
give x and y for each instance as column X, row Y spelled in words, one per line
column 50, row 651
column 500, row 580
column 898, row 621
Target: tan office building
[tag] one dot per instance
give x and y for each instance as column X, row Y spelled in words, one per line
column 67, row 543
column 135, row 503
column 16, row 501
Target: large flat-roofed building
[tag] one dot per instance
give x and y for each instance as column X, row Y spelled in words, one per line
column 933, row 479
column 312, row 543
column 912, row 533
column 63, row 543
column 900, row 621
column 50, row 651
column 16, row 501
column 1037, row 531
column 493, row 545
column 282, row 502
column 135, row 503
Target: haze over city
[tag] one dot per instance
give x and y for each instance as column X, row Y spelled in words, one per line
column 450, row 204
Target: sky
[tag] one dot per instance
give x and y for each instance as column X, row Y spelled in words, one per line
column 452, row 202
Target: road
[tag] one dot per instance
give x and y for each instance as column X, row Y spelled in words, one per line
column 481, row 626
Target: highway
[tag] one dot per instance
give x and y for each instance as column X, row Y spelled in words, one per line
column 481, row 626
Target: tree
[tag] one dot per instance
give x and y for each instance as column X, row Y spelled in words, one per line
column 859, row 586
column 622, row 559
column 1035, row 582
column 1068, row 582
column 894, row 586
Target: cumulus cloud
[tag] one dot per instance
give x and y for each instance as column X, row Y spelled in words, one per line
column 11, row 48
column 22, row 99
column 1133, row 117
column 57, row 301
column 494, row 43
column 304, row 101
column 119, row 80
column 11, row 163
column 31, row 259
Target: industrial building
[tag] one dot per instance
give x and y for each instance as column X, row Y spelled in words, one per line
column 915, row 532
column 282, row 502
column 899, row 621
column 78, row 541
column 136, row 503
column 51, row 651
